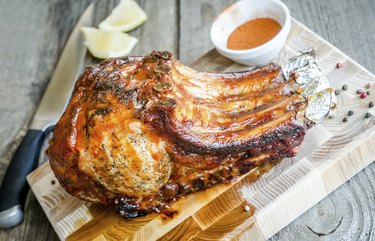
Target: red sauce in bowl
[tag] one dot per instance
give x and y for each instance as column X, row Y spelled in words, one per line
column 253, row 33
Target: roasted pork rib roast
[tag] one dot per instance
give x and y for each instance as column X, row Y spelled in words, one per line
column 141, row 132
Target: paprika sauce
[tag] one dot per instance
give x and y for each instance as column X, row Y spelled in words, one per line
column 253, row 33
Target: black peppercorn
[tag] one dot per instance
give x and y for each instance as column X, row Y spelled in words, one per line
column 345, row 119
column 368, row 115
column 371, row 104
column 344, row 87
column 337, row 92
column 350, row 112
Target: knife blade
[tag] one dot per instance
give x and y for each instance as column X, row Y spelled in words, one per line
column 14, row 188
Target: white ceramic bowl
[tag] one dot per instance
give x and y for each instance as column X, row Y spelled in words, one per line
column 241, row 12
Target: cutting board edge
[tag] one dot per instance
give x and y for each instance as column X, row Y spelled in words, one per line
column 339, row 182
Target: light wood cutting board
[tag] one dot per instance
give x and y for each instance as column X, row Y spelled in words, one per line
column 333, row 151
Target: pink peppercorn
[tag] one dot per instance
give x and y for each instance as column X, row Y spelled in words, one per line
column 363, row 95
column 339, row 65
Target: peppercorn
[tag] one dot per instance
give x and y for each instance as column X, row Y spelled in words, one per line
column 345, row 119
column 371, row 104
column 337, row 92
column 247, row 208
column 367, row 92
column 339, row 65
column 368, row 115
column 344, row 87
column 350, row 112
column 363, row 95
column 359, row 91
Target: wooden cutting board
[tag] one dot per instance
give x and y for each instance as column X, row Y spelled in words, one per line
column 333, row 151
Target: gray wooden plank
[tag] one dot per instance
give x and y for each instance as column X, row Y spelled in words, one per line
column 349, row 25
column 348, row 213
column 160, row 31
column 195, row 22
column 32, row 37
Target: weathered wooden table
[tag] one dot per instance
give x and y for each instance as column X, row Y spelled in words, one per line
column 33, row 33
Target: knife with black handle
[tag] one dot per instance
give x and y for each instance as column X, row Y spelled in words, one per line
column 14, row 187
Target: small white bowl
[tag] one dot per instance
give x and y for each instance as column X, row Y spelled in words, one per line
column 241, row 12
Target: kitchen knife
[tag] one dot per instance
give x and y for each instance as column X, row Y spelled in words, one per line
column 14, row 188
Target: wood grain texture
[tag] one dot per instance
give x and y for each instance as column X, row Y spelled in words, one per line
column 195, row 22
column 27, row 65
column 28, row 54
column 341, row 215
column 332, row 152
column 160, row 31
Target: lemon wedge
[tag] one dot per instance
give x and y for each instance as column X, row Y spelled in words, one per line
column 108, row 44
column 124, row 17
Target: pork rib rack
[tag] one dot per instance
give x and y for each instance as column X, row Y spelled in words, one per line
column 141, row 132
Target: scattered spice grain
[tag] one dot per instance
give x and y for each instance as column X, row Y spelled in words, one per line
column 247, row 208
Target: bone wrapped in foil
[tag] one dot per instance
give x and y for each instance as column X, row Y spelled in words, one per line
column 311, row 84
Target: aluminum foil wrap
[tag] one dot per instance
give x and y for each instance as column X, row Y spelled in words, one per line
column 312, row 85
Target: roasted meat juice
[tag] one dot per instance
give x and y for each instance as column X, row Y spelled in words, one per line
column 253, row 33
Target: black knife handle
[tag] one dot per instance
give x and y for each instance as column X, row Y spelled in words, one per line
column 14, row 188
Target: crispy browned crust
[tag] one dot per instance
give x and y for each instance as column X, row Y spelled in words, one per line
column 142, row 132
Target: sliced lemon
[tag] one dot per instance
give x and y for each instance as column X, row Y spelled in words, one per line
column 108, row 44
column 124, row 17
